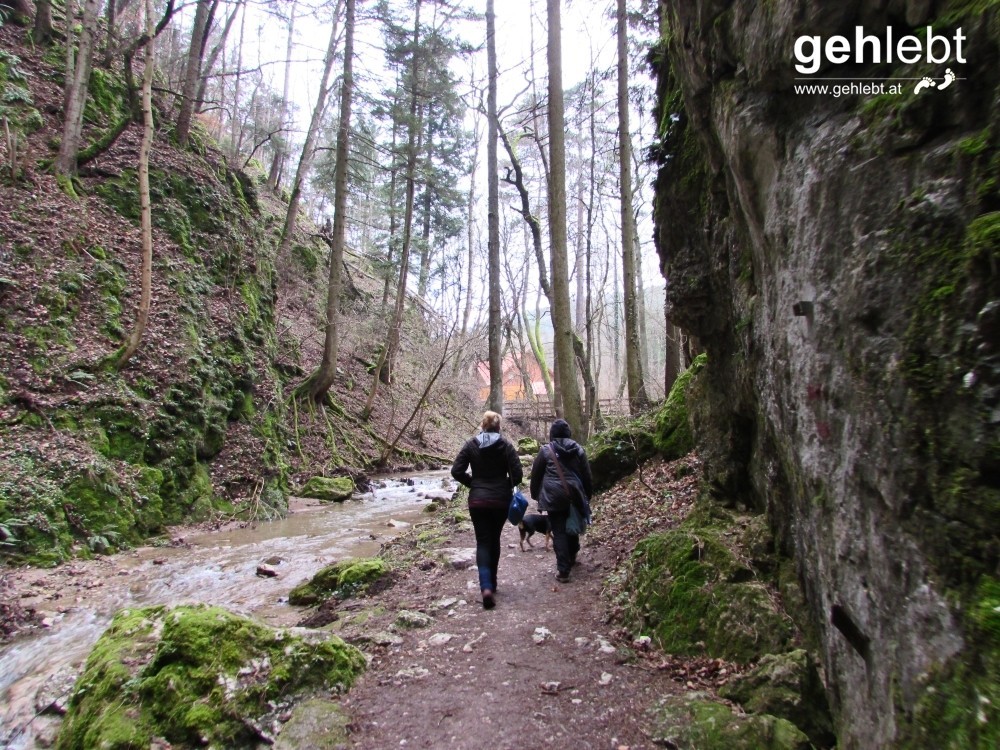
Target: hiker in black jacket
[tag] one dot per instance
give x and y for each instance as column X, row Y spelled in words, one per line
column 496, row 471
column 560, row 477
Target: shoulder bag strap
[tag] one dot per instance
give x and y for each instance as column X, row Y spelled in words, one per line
column 559, row 469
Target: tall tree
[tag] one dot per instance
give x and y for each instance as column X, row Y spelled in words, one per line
column 562, row 317
column 493, row 215
column 77, row 81
column 637, row 398
column 192, row 69
column 145, row 208
column 317, row 385
column 386, row 364
column 309, row 148
column 281, row 142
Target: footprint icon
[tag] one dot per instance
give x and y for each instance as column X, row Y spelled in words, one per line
column 949, row 78
column 927, row 82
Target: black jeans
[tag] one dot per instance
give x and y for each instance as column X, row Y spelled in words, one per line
column 488, row 523
column 565, row 544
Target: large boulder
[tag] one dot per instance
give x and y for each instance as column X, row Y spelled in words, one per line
column 694, row 721
column 696, row 590
column 196, row 676
column 329, row 489
column 343, row 578
column 787, row 686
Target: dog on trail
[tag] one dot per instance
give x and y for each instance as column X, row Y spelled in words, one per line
column 534, row 523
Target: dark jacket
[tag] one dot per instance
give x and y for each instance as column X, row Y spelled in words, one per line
column 496, row 470
column 546, row 486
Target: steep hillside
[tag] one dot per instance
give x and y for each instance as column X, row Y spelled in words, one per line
column 836, row 256
column 199, row 424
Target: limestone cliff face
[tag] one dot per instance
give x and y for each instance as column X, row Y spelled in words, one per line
column 837, row 257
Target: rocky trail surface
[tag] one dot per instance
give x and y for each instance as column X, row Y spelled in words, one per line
column 548, row 667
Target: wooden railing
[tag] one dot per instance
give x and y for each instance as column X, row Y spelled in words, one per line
column 542, row 409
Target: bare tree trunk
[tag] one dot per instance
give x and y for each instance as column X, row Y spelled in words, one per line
column 213, row 57
column 192, row 70
column 317, row 385
column 145, row 209
column 637, row 397
column 562, row 319
column 42, row 33
column 281, row 145
column 309, row 149
column 77, row 79
column 493, row 214
column 237, row 121
column 16, row 11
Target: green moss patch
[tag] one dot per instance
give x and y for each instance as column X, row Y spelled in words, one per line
column 342, row 579
column 694, row 720
column 960, row 707
column 696, row 591
column 195, row 676
column 787, row 686
column 673, row 437
column 527, row 446
column 329, row 489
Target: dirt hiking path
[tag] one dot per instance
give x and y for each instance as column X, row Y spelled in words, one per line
column 543, row 669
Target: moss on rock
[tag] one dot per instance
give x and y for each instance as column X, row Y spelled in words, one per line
column 694, row 721
column 787, row 686
column 673, row 437
column 329, row 489
column 343, row 578
column 196, row 675
column 696, row 592
column 960, row 707
column 527, row 446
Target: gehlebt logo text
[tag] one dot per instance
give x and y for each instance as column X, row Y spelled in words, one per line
column 811, row 52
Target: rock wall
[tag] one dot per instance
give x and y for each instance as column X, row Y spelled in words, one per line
column 837, row 257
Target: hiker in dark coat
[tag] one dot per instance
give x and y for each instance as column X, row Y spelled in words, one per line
column 496, row 471
column 560, row 478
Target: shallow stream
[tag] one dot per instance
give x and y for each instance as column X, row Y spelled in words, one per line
column 214, row 568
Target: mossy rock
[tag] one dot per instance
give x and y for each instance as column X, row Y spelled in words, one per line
column 673, row 437
column 329, row 489
column 316, row 724
column 694, row 721
column 787, row 686
column 694, row 591
column 527, row 446
column 960, row 707
column 196, row 676
column 616, row 453
column 343, row 578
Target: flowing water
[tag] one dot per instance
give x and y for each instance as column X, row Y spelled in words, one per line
column 215, row 568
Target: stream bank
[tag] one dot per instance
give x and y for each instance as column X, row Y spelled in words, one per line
column 74, row 603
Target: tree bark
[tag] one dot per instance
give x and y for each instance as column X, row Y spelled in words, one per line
column 192, row 71
column 562, row 318
column 77, row 78
column 637, row 398
column 317, row 385
column 493, row 215
column 16, row 12
column 42, row 33
column 145, row 209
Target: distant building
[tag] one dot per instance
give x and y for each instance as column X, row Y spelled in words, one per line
column 513, row 382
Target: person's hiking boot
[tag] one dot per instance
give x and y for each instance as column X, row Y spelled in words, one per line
column 488, row 601
column 562, row 577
